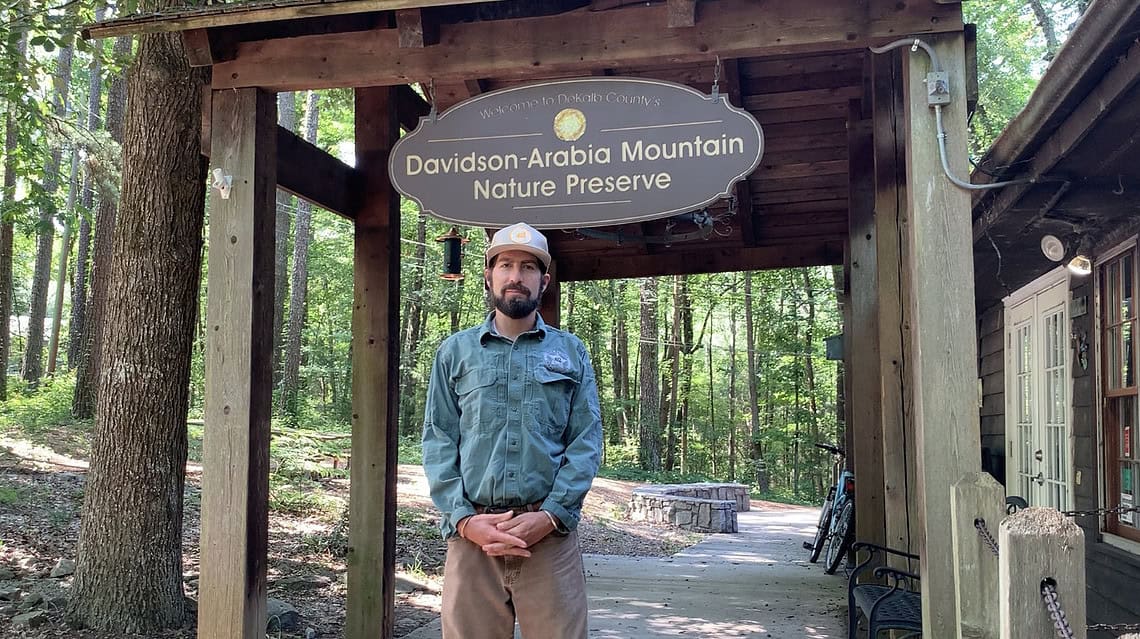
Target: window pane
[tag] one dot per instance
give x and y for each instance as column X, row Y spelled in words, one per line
column 1126, row 310
column 1112, row 357
column 1112, row 292
column 1126, row 353
column 1127, row 420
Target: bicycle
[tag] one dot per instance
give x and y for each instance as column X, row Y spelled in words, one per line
column 836, row 527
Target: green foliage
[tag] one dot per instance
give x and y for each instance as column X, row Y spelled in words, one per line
column 10, row 496
column 35, row 411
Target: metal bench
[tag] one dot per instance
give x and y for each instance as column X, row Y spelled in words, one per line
column 897, row 606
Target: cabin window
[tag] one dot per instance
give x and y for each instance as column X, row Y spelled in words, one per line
column 1117, row 280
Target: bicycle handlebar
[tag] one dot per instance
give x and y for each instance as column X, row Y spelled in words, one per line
column 829, row 448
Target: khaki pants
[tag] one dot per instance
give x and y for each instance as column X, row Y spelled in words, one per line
column 482, row 595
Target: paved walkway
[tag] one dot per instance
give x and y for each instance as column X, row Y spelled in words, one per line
column 756, row 583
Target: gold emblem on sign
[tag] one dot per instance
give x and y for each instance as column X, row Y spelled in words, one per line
column 569, row 124
column 520, row 236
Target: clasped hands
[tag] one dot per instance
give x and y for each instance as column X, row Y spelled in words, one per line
column 503, row 534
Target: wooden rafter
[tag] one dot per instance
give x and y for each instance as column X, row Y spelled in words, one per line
column 819, row 253
column 416, row 30
column 542, row 46
column 1095, row 107
column 220, row 15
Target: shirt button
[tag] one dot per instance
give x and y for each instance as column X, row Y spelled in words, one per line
column 511, row 474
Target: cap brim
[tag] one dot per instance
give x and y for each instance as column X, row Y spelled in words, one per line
column 543, row 256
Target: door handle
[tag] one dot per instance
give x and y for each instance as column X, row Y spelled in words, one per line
column 1040, row 479
column 1038, row 455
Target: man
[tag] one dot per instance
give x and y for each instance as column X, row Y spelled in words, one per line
column 512, row 441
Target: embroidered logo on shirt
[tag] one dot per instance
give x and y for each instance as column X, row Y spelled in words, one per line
column 557, row 361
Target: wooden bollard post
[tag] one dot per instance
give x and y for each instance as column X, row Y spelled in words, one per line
column 976, row 496
column 1038, row 544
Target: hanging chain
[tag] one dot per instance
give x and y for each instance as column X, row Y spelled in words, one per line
column 1053, row 605
column 984, row 533
column 716, row 79
column 1098, row 512
column 431, row 98
column 1115, row 627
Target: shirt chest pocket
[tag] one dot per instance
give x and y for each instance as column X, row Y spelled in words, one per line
column 552, row 405
column 477, row 394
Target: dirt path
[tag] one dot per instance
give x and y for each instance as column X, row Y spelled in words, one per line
column 41, row 496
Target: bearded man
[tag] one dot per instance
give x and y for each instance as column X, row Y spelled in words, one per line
column 512, row 441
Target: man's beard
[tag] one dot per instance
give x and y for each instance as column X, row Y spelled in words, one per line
column 516, row 307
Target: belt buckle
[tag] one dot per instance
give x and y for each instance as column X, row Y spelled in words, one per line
column 496, row 510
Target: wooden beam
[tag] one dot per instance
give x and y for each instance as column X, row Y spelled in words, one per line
column 901, row 516
column 239, row 372
column 375, row 374
column 216, row 15
column 315, row 176
column 541, row 46
column 719, row 260
column 550, row 307
column 475, row 87
column 944, row 369
column 1097, row 106
column 682, row 13
column 863, row 332
column 416, row 31
column 309, row 172
column 204, row 47
column 410, row 107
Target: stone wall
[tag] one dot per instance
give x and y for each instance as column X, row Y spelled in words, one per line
column 696, row 507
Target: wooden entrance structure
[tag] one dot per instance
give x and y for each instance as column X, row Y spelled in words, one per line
column 851, row 174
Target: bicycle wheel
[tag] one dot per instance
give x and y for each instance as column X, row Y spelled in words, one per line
column 841, row 538
column 823, row 527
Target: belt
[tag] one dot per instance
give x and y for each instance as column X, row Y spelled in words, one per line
column 518, row 510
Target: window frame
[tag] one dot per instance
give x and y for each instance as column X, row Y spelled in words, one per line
column 1108, row 428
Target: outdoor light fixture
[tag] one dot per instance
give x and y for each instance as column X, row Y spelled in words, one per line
column 452, row 255
column 1081, row 264
column 1053, row 248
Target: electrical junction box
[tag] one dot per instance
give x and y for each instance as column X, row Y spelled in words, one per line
column 937, row 88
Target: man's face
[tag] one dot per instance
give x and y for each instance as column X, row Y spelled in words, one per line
column 516, row 283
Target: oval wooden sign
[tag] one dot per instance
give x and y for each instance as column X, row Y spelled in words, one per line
column 577, row 153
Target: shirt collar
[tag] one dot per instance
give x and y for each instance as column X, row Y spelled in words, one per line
column 488, row 328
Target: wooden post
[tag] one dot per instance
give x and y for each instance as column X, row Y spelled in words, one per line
column 944, row 366
column 550, row 306
column 1038, row 544
column 375, row 374
column 976, row 496
column 863, row 332
column 902, row 519
column 239, row 375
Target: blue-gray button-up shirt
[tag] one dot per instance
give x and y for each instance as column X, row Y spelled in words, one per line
column 511, row 423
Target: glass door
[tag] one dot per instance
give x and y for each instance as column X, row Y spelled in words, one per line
column 1038, row 388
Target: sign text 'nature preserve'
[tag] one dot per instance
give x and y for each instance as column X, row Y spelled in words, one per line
column 576, row 153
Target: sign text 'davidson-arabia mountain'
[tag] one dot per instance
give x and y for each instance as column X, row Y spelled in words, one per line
column 577, row 153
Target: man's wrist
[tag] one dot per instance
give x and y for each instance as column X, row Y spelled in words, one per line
column 553, row 520
column 462, row 525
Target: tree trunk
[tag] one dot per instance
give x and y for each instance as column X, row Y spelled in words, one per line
column 413, row 330
column 686, row 375
column 732, row 385
column 1046, row 23
column 17, row 46
column 90, row 358
column 299, row 283
column 620, row 349
column 33, row 367
column 65, row 252
column 77, row 328
column 711, row 429
column 129, row 571
column 674, row 372
column 756, row 451
column 809, row 383
column 649, row 426
column 287, row 118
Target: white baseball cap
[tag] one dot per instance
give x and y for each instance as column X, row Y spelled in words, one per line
column 520, row 237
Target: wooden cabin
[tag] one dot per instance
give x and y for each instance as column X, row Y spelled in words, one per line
column 1056, row 354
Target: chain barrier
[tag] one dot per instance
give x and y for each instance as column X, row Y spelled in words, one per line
column 984, row 533
column 1053, row 605
column 1048, row 587
column 1099, row 512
